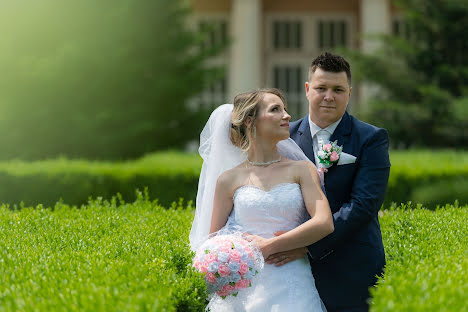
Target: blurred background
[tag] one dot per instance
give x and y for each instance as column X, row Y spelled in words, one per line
column 97, row 79
column 408, row 58
column 121, row 80
column 118, row 79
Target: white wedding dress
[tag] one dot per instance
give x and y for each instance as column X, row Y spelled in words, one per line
column 290, row 287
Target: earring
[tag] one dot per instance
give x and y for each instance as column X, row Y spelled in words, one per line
column 255, row 132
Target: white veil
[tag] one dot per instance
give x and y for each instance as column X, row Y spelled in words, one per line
column 219, row 155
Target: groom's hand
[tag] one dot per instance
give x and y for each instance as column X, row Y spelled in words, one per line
column 284, row 257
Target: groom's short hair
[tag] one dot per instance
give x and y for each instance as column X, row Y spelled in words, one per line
column 331, row 63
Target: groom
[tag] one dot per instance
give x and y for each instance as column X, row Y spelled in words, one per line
column 345, row 263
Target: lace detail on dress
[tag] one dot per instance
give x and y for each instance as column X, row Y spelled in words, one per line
column 290, row 287
column 263, row 212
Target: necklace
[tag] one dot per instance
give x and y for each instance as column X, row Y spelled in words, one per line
column 264, row 163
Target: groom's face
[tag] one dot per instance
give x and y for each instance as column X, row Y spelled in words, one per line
column 328, row 94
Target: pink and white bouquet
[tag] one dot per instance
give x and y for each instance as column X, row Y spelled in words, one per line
column 228, row 263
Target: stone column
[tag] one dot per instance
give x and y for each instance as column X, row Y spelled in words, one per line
column 375, row 19
column 245, row 52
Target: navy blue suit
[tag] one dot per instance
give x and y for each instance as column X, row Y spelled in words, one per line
column 346, row 262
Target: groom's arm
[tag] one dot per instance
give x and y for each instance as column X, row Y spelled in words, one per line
column 367, row 195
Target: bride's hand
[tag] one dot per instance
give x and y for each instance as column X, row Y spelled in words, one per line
column 262, row 243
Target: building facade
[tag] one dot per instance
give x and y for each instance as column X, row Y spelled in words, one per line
column 272, row 42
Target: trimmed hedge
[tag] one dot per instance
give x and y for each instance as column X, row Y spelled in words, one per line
column 113, row 256
column 426, row 260
column 105, row 256
column 167, row 176
column 428, row 177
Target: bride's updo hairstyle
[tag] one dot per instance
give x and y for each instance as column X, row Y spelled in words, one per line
column 246, row 105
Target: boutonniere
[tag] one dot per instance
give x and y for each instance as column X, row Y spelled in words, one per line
column 328, row 154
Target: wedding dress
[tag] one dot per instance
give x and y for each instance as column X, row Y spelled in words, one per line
column 290, row 287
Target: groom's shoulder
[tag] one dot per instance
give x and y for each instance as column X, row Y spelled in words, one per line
column 364, row 128
column 295, row 125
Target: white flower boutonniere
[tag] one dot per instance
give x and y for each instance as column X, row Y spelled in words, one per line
column 328, row 154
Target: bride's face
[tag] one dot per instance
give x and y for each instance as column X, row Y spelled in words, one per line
column 272, row 121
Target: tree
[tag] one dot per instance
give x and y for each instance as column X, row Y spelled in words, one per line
column 421, row 77
column 98, row 79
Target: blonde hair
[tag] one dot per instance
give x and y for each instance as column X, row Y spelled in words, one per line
column 246, row 105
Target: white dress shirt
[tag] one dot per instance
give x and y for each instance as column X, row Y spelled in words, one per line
column 319, row 135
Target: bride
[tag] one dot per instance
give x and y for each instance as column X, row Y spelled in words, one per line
column 255, row 177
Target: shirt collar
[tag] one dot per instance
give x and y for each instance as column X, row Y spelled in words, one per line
column 331, row 128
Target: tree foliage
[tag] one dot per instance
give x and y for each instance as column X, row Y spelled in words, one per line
column 421, row 76
column 97, row 79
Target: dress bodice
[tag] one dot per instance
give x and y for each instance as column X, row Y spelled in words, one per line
column 290, row 287
column 263, row 212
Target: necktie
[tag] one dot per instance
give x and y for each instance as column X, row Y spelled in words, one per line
column 320, row 137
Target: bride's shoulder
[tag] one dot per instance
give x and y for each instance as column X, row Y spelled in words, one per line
column 229, row 178
column 301, row 168
column 234, row 172
column 299, row 164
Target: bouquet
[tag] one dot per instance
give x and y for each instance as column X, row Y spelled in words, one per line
column 228, row 263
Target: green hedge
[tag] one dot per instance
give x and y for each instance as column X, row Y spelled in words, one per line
column 429, row 177
column 105, row 256
column 168, row 176
column 113, row 256
column 426, row 260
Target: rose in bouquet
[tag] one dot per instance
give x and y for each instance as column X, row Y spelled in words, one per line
column 328, row 154
column 228, row 263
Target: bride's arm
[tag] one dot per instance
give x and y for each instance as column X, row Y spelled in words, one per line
column 320, row 224
column 222, row 203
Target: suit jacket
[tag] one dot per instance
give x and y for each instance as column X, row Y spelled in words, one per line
column 346, row 262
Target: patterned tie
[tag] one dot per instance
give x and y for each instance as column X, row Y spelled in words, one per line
column 320, row 137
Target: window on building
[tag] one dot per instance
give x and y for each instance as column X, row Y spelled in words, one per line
column 401, row 28
column 211, row 97
column 332, row 34
column 290, row 80
column 287, row 35
column 215, row 33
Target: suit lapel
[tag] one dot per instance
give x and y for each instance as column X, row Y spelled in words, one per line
column 343, row 130
column 342, row 134
column 305, row 139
